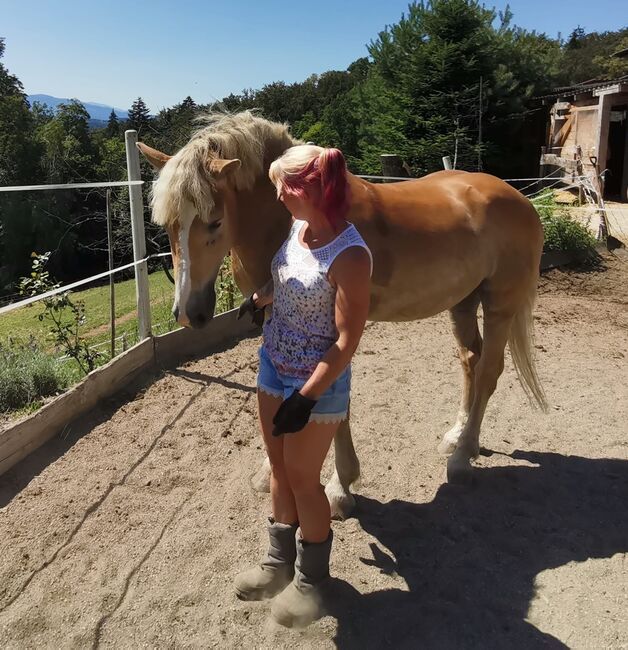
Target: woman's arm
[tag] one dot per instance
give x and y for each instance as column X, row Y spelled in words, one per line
column 255, row 304
column 264, row 296
column 350, row 273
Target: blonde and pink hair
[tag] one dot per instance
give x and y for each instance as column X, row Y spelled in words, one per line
column 317, row 174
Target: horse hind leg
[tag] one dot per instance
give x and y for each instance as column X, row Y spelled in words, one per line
column 464, row 320
column 488, row 370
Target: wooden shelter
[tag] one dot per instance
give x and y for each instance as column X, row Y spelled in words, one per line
column 588, row 134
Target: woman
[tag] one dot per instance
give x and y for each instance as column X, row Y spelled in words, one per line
column 320, row 295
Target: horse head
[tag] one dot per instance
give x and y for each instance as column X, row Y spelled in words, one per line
column 191, row 199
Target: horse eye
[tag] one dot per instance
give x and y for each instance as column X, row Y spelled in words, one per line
column 213, row 227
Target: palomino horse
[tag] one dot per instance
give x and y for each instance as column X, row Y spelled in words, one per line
column 451, row 240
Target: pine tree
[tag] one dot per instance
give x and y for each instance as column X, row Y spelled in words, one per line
column 576, row 38
column 139, row 116
column 188, row 104
column 113, row 125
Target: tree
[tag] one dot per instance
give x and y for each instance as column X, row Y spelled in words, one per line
column 10, row 85
column 589, row 56
column 19, row 164
column 113, row 125
column 69, row 155
column 18, row 149
column 576, row 38
column 139, row 116
column 188, row 104
column 421, row 95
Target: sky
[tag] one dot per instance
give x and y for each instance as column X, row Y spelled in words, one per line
column 164, row 50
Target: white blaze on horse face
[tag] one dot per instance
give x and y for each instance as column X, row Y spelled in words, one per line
column 183, row 286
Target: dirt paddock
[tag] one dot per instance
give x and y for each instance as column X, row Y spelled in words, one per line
column 128, row 530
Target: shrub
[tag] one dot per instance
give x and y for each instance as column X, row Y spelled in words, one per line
column 27, row 374
column 561, row 232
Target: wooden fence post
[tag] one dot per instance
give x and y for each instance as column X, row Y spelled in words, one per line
column 392, row 165
column 139, row 238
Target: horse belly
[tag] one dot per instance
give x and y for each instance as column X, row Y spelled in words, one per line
column 423, row 286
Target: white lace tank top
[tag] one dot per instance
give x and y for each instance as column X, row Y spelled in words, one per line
column 302, row 326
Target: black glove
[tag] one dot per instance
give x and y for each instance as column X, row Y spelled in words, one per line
column 248, row 307
column 293, row 414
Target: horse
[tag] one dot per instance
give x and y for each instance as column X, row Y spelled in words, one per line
column 451, row 240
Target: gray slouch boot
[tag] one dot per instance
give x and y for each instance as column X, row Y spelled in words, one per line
column 301, row 603
column 276, row 571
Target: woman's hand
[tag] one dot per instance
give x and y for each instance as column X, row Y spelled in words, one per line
column 249, row 307
column 293, row 414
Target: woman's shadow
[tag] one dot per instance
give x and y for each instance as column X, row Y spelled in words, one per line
column 470, row 557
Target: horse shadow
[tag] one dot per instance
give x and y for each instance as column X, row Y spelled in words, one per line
column 470, row 557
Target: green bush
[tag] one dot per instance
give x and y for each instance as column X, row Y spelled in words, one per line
column 561, row 232
column 27, row 374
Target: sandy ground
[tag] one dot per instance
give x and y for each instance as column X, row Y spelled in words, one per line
column 128, row 531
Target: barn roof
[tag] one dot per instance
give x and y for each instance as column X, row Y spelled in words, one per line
column 585, row 87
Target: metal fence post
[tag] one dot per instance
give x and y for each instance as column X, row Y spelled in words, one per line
column 139, row 239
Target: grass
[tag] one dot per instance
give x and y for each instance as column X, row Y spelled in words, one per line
column 27, row 374
column 24, row 322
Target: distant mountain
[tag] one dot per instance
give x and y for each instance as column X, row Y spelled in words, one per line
column 98, row 112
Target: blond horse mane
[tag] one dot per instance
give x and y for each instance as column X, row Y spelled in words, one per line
column 254, row 140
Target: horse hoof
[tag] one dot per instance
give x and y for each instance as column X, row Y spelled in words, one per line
column 260, row 481
column 341, row 503
column 459, row 471
column 446, row 447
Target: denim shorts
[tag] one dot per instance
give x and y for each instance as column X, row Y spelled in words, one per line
column 333, row 404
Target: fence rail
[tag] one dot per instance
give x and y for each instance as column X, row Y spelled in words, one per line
column 69, row 186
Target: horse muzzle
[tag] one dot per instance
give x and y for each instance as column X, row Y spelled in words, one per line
column 198, row 310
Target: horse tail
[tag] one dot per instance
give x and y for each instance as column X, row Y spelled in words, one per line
column 521, row 344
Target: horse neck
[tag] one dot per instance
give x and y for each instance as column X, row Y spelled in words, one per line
column 363, row 199
column 262, row 224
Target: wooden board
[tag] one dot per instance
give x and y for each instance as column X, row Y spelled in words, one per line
column 557, row 161
column 172, row 348
column 617, row 220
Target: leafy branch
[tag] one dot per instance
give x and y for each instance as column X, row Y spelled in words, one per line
column 63, row 315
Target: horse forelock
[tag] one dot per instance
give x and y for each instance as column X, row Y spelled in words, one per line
column 185, row 176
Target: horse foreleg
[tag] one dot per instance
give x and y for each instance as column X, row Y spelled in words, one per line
column 464, row 322
column 347, row 472
column 487, row 372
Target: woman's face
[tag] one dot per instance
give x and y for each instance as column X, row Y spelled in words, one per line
column 292, row 203
column 297, row 206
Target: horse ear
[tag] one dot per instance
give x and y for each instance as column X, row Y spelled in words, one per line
column 220, row 168
column 156, row 158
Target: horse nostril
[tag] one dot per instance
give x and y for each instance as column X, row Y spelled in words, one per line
column 175, row 312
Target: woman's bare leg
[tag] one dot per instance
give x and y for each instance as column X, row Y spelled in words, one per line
column 304, row 453
column 283, row 503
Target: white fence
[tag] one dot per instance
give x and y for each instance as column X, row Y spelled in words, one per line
column 140, row 262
